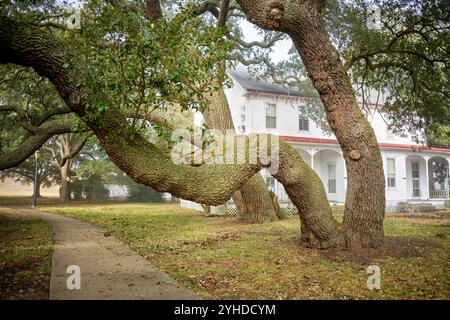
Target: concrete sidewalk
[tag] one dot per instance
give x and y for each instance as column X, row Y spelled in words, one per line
column 109, row 269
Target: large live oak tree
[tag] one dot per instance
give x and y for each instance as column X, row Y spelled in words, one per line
column 27, row 45
column 365, row 199
column 253, row 200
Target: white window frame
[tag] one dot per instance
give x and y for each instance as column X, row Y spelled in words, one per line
column 332, row 183
column 243, row 118
column 270, row 183
column 271, row 112
column 390, row 174
column 416, row 179
column 304, row 119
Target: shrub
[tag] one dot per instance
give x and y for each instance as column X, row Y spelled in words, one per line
column 92, row 188
column 76, row 187
column 404, row 207
column 140, row 193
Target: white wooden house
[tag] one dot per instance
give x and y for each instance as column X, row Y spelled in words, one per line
column 414, row 172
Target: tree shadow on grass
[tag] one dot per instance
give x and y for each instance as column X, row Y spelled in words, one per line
column 393, row 248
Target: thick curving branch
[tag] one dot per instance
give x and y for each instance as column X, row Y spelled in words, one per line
column 33, row 142
column 146, row 164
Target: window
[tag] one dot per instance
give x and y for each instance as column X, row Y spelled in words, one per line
column 332, row 178
column 243, row 118
column 391, row 173
column 415, row 179
column 270, row 183
column 271, row 116
column 303, row 122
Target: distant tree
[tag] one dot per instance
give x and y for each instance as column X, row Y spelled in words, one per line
column 31, row 112
column 48, row 172
column 63, row 149
column 120, row 67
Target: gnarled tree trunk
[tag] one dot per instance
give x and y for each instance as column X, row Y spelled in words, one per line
column 64, row 189
column 23, row 44
column 365, row 199
column 254, row 203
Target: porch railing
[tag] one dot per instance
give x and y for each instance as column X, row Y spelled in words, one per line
column 439, row 194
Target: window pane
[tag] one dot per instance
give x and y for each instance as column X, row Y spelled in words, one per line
column 331, row 186
column 390, row 173
column 271, row 122
column 415, row 170
column 270, row 183
column 303, row 124
column 331, row 178
column 332, row 171
column 271, row 116
column 271, row 110
column 391, row 166
column 391, row 182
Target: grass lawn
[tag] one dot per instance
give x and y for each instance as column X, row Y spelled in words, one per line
column 26, row 248
column 222, row 258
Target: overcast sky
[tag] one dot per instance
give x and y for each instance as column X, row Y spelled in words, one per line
column 281, row 49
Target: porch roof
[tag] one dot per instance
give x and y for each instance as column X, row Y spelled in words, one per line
column 381, row 144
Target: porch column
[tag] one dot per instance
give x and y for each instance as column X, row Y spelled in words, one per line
column 448, row 177
column 402, row 180
column 313, row 152
column 427, row 184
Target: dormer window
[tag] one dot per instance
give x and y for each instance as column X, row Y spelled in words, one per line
column 271, row 116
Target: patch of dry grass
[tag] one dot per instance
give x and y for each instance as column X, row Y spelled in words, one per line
column 26, row 248
column 223, row 258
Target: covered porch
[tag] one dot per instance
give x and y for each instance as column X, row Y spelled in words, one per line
column 328, row 163
column 427, row 177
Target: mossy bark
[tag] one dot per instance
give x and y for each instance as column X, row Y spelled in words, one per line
column 365, row 199
column 253, row 202
column 143, row 162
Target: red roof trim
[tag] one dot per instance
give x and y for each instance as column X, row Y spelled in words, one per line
column 382, row 145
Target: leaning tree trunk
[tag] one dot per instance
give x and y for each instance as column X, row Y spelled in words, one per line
column 365, row 199
column 64, row 189
column 254, row 204
column 30, row 46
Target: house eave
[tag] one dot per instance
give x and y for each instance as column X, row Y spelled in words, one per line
column 382, row 145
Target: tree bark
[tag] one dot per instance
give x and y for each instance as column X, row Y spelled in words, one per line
column 32, row 142
column 256, row 205
column 64, row 189
column 26, row 45
column 365, row 199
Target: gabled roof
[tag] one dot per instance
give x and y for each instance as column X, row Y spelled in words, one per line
column 250, row 83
